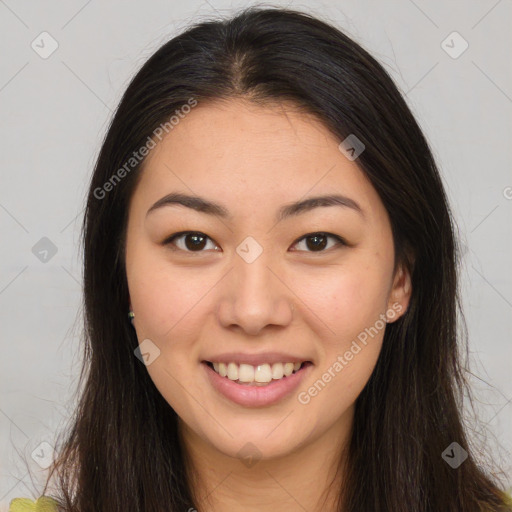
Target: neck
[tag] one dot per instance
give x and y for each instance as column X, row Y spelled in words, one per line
column 308, row 478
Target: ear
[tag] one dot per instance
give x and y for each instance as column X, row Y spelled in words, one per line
column 400, row 294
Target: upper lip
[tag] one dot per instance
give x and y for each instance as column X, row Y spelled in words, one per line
column 254, row 359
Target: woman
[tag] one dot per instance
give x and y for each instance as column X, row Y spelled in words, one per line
column 270, row 289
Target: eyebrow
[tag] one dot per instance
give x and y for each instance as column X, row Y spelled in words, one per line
column 203, row 205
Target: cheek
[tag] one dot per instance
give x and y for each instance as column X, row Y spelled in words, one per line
column 353, row 305
column 346, row 298
column 167, row 302
column 349, row 304
column 165, row 297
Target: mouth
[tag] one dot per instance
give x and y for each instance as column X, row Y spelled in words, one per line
column 263, row 374
column 240, row 384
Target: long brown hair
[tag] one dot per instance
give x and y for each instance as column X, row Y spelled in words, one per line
column 122, row 449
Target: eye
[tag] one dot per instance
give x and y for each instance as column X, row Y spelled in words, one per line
column 195, row 241
column 319, row 241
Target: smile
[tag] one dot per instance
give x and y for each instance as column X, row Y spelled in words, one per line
column 261, row 374
column 250, row 392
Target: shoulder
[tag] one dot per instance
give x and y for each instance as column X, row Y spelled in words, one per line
column 43, row 504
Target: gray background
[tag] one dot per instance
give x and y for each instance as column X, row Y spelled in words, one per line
column 55, row 111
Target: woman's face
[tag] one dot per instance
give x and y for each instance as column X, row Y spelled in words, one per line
column 248, row 289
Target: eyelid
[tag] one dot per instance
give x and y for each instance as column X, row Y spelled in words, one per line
column 170, row 239
column 340, row 240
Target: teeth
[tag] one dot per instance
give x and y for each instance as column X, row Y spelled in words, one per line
column 288, row 369
column 245, row 373
column 277, row 371
column 232, row 371
column 263, row 373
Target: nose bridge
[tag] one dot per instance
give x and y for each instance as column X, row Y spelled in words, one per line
column 255, row 296
column 252, row 273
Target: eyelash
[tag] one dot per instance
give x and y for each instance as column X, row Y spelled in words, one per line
column 169, row 240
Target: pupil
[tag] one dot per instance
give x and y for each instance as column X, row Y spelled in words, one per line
column 317, row 245
column 195, row 244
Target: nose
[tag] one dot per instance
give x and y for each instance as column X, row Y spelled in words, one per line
column 254, row 296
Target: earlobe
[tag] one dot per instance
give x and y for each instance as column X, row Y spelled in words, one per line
column 400, row 293
column 131, row 314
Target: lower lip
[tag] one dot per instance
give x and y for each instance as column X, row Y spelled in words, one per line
column 256, row 396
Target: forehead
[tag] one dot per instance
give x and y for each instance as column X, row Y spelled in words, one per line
column 239, row 131
column 239, row 151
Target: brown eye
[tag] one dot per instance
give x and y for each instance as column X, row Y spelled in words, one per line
column 194, row 241
column 317, row 242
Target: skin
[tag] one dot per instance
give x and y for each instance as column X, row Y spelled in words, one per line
column 253, row 160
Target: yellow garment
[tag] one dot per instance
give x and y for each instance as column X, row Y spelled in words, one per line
column 43, row 504
column 47, row 504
